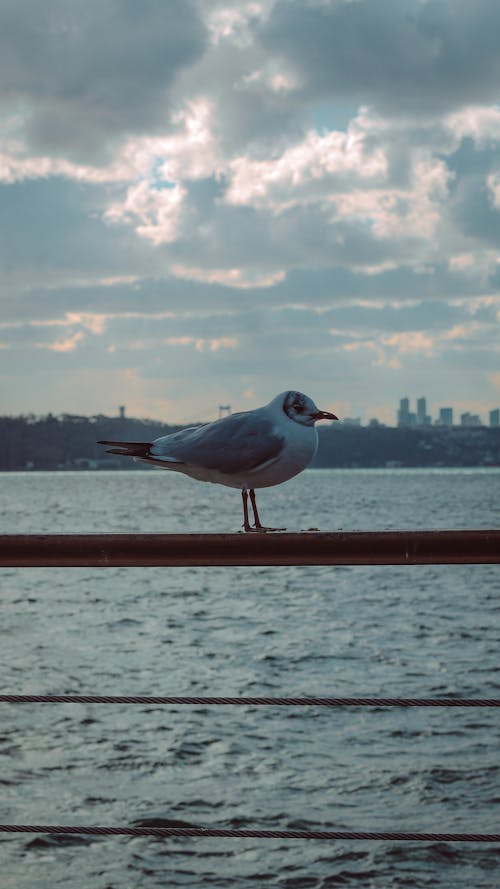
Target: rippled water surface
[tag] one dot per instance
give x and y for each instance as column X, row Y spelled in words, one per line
column 377, row 631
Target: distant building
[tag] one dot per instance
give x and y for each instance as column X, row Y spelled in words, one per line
column 495, row 417
column 468, row 419
column 121, row 412
column 352, row 421
column 403, row 412
column 224, row 410
column 405, row 418
column 445, row 416
column 421, row 411
column 374, row 423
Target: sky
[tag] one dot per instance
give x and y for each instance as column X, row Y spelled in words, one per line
column 211, row 202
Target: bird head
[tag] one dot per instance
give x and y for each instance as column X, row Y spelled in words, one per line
column 301, row 409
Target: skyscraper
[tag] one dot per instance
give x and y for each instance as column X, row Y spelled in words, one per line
column 404, row 412
column 495, row 417
column 421, row 411
column 405, row 418
column 446, row 416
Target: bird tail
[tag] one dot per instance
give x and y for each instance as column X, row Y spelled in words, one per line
column 128, row 448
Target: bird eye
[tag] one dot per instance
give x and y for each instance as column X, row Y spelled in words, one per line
column 297, row 405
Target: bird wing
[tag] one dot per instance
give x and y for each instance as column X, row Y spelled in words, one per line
column 128, row 448
column 234, row 444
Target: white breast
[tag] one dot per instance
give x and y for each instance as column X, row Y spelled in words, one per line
column 300, row 447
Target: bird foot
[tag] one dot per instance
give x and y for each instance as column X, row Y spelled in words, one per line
column 265, row 528
column 261, row 529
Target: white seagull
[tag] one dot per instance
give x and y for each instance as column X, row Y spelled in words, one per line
column 247, row 450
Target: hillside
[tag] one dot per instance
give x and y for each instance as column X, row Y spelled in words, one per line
column 70, row 442
column 426, row 446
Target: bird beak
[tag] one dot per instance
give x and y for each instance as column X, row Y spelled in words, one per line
column 324, row 415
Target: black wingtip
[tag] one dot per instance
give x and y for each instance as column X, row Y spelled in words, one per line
column 128, row 448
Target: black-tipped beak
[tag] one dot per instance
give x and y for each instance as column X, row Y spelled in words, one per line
column 324, row 415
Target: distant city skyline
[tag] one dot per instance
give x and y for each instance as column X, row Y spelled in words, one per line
column 445, row 417
column 205, row 204
column 404, row 417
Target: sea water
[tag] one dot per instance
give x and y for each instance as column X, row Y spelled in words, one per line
column 413, row 631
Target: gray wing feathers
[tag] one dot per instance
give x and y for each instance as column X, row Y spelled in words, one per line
column 238, row 443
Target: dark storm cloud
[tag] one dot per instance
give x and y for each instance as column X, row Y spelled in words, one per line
column 53, row 229
column 473, row 212
column 401, row 56
column 92, row 71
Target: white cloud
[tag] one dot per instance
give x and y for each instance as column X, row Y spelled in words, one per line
column 233, row 23
column 461, row 261
column 67, row 345
column 223, row 342
column 96, row 324
column 480, row 123
column 192, row 153
column 238, row 278
column 154, row 212
column 16, row 166
column 310, row 170
column 402, row 213
column 412, row 341
column 271, row 76
column 493, row 184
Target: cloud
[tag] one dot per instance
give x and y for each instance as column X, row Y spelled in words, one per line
column 312, row 169
column 402, row 57
column 352, row 352
column 493, row 185
column 227, row 277
column 480, row 123
column 66, row 345
column 223, row 342
column 80, row 75
column 155, row 212
column 52, row 232
column 473, row 211
column 237, row 195
column 234, row 23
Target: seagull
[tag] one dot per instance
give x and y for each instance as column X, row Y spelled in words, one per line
column 246, row 450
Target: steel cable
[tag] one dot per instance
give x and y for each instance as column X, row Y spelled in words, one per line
column 250, row 701
column 259, row 834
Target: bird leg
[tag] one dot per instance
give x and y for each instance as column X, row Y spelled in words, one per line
column 258, row 525
column 246, row 524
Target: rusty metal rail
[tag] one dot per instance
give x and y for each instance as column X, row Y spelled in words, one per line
column 306, row 548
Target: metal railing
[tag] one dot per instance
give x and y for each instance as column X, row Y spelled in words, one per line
column 306, row 548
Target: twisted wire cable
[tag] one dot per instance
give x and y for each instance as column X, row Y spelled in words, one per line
column 259, row 834
column 250, row 701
